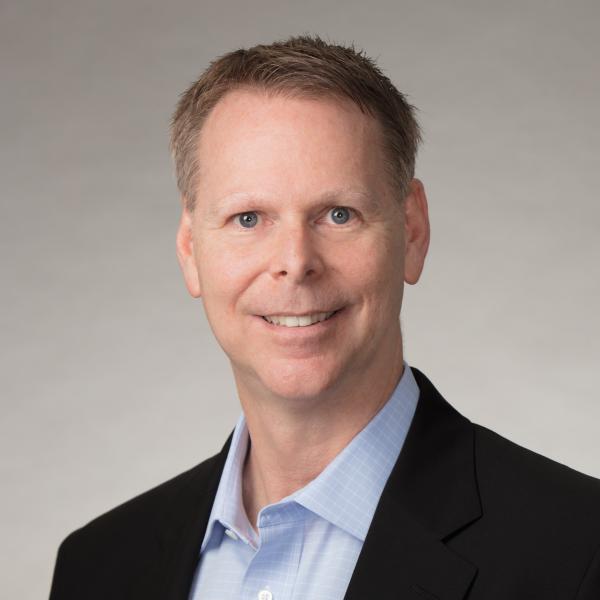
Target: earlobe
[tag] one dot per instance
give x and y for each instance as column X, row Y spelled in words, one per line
column 185, row 254
column 416, row 230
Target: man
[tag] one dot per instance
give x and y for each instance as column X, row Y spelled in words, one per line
column 348, row 475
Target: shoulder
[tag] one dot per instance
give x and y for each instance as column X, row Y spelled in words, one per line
column 521, row 490
column 148, row 508
column 125, row 540
column 501, row 462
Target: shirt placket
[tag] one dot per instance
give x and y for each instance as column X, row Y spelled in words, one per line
column 272, row 572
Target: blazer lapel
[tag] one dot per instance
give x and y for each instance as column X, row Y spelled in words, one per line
column 431, row 493
column 182, row 530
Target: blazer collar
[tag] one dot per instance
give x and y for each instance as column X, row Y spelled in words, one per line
column 182, row 529
column 430, row 494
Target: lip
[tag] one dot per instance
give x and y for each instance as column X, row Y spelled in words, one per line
column 302, row 333
column 303, row 314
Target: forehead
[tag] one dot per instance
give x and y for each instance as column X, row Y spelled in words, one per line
column 253, row 105
column 281, row 143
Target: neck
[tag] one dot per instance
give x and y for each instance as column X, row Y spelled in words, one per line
column 290, row 448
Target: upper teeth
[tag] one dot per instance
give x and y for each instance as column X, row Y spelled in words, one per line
column 301, row 321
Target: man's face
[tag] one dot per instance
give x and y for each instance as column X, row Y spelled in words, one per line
column 295, row 216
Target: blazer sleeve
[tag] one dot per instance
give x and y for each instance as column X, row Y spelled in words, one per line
column 590, row 585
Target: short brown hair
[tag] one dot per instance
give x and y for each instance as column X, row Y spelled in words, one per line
column 304, row 66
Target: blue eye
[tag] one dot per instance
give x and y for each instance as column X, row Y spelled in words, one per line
column 340, row 215
column 247, row 219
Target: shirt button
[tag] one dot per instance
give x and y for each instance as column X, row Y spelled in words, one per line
column 231, row 534
column 265, row 595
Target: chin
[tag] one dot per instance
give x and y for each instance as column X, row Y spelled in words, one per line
column 298, row 392
column 300, row 382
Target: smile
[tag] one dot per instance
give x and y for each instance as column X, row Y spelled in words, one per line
column 299, row 320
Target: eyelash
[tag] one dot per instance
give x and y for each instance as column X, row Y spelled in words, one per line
column 236, row 216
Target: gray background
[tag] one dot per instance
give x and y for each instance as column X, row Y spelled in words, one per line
column 111, row 379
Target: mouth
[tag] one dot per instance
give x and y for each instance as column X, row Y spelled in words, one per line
column 307, row 320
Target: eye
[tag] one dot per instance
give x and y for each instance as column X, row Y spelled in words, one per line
column 247, row 219
column 340, row 214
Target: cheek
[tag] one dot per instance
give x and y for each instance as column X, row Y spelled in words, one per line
column 224, row 275
column 377, row 265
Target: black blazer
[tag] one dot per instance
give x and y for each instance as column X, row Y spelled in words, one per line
column 464, row 514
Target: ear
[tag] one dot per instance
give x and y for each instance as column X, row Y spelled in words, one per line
column 185, row 253
column 416, row 231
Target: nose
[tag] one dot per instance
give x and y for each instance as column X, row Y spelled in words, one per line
column 295, row 256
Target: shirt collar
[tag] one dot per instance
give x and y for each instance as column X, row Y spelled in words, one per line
column 347, row 491
column 228, row 506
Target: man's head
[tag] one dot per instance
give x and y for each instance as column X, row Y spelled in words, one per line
column 294, row 213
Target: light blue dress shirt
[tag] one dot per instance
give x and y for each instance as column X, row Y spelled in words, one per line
column 307, row 543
